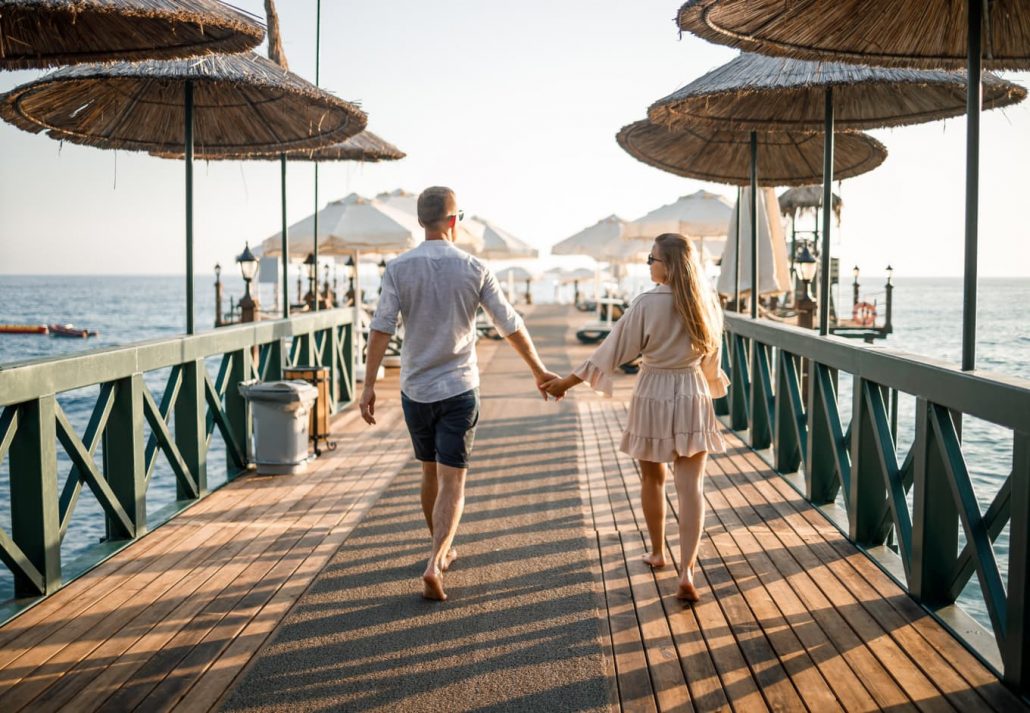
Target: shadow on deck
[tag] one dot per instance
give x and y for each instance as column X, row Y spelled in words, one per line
column 300, row 592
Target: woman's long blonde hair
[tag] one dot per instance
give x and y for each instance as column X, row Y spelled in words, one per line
column 694, row 302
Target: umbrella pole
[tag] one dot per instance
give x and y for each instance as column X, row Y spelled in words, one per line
column 285, row 245
column 824, row 265
column 754, row 225
column 736, row 251
column 190, row 327
column 974, row 101
column 359, row 359
column 318, row 37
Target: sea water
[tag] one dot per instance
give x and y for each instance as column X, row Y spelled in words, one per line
column 927, row 319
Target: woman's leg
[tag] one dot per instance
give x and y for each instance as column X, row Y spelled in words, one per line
column 690, row 477
column 652, row 502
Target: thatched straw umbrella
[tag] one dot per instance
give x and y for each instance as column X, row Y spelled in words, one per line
column 795, row 202
column 36, row 34
column 239, row 103
column 937, row 34
column 773, row 93
column 787, row 158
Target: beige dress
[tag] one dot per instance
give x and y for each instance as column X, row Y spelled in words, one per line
column 670, row 414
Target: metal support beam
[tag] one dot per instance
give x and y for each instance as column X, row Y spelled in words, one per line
column 285, row 239
column 754, row 225
column 824, row 266
column 736, row 250
column 974, row 104
column 188, row 101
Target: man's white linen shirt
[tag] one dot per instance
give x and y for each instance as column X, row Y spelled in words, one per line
column 438, row 289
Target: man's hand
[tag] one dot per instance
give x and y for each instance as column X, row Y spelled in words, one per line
column 556, row 387
column 368, row 405
column 544, row 378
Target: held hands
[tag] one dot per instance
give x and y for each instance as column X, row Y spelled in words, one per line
column 542, row 379
column 556, row 387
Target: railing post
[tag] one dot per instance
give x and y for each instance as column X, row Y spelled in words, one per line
column 35, row 521
column 760, row 436
column 237, row 410
column 788, row 426
column 722, row 405
column 124, row 463
column 739, row 388
column 191, row 427
column 274, row 372
column 346, row 386
column 328, row 360
column 867, row 502
column 934, row 517
column 1015, row 651
column 821, row 485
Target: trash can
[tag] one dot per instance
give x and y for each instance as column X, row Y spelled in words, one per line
column 280, row 410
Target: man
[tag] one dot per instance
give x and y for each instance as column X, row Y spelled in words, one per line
column 438, row 289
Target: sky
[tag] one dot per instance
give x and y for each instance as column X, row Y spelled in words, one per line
column 515, row 106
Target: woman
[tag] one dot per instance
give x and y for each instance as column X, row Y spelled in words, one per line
column 677, row 328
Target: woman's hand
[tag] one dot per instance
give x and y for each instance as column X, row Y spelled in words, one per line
column 557, row 387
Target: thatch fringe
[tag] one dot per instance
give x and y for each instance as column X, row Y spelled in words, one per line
column 365, row 147
column 752, row 91
column 784, row 158
column 929, row 35
column 244, row 104
column 46, row 33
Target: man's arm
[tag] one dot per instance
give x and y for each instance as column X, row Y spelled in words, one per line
column 522, row 343
column 377, row 344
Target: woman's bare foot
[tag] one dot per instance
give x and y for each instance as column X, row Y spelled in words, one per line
column 656, row 561
column 432, row 585
column 687, row 592
column 452, row 555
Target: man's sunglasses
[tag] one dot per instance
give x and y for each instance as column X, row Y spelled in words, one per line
column 651, row 260
column 460, row 215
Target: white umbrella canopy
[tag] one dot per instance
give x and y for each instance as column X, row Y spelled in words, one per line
column 408, row 202
column 624, row 252
column 518, row 274
column 499, row 244
column 588, row 241
column 700, row 215
column 349, row 225
column 579, row 275
column 773, row 270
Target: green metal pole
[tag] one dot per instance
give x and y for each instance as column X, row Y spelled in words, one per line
column 318, row 38
column 190, row 328
column 824, row 265
column 754, row 225
column 736, row 250
column 974, row 102
column 285, row 245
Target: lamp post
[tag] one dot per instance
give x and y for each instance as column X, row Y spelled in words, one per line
column 854, row 286
column 218, row 295
column 888, row 325
column 529, row 297
column 248, row 269
column 312, row 269
column 382, row 271
column 806, row 265
column 349, row 267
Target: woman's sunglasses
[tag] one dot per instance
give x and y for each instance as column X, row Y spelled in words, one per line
column 651, row 260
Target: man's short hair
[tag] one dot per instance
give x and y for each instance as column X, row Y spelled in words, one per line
column 435, row 204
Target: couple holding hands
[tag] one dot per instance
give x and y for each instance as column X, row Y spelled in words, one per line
column 676, row 328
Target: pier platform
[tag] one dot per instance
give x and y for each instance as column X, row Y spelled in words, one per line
column 302, row 592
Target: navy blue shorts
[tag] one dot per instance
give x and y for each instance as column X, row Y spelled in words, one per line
column 443, row 431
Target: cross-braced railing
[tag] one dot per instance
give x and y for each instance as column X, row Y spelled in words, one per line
column 192, row 405
column 920, row 510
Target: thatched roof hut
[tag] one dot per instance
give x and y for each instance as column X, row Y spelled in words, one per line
column 878, row 32
column 805, row 199
column 784, row 158
column 46, row 33
column 754, row 91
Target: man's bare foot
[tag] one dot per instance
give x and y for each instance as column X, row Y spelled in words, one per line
column 687, row 592
column 656, row 561
column 432, row 586
column 452, row 555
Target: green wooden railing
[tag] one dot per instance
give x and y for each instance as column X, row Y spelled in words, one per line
column 784, row 395
column 181, row 424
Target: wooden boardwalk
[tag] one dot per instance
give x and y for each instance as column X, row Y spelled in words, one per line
column 792, row 617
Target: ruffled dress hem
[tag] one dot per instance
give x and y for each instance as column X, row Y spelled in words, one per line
column 666, row 450
column 599, row 380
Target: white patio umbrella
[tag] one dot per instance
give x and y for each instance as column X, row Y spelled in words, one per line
column 352, row 226
column 401, row 199
column 702, row 215
column 514, row 274
column 499, row 244
column 773, row 268
column 589, row 242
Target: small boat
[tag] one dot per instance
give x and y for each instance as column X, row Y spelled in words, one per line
column 23, row 329
column 68, row 330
